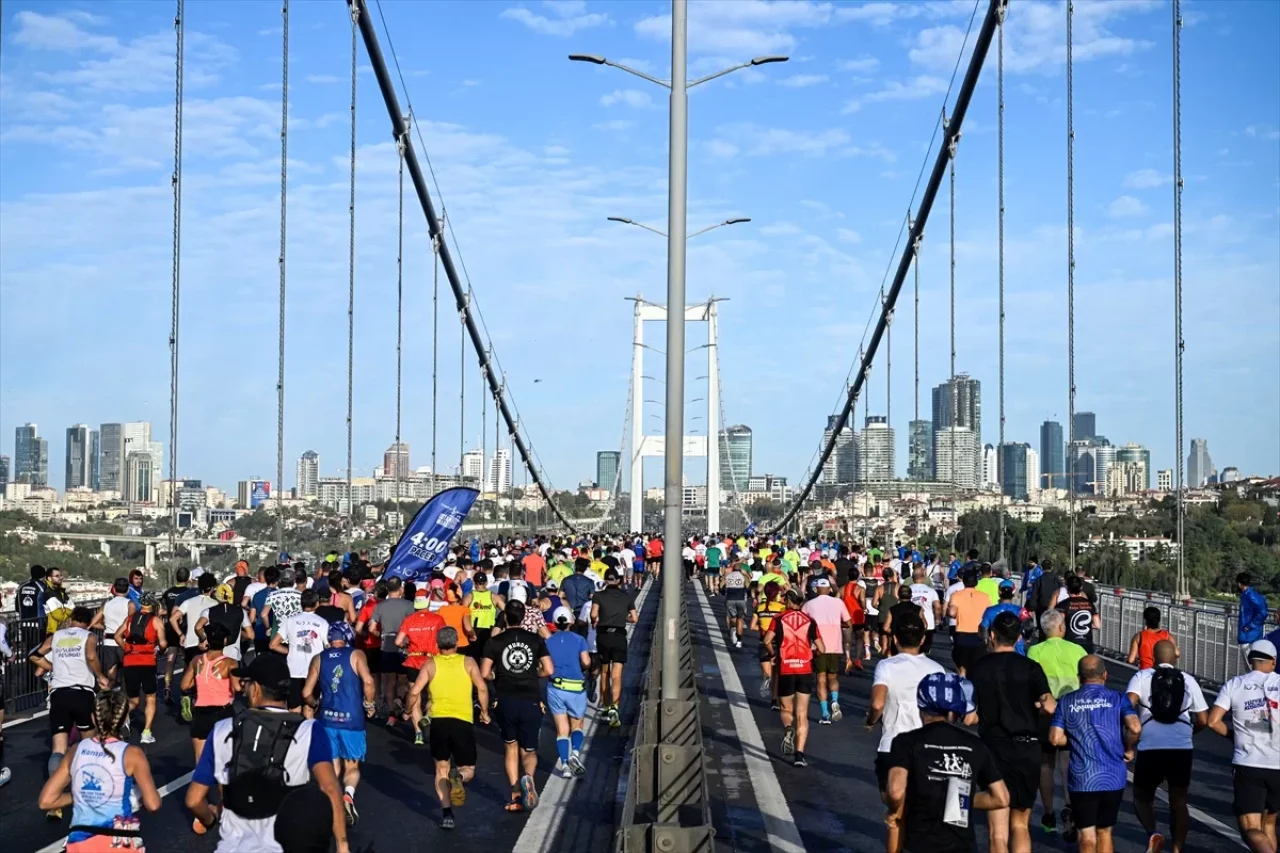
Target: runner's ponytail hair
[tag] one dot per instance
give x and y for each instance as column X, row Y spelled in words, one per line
column 110, row 708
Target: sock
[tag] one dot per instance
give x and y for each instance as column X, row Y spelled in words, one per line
column 447, row 812
column 351, row 791
column 826, row 711
column 562, row 747
column 835, row 696
column 576, row 738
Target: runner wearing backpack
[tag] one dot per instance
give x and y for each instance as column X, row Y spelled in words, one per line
column 257, row 757
column 1044, row 592
column 1171, row 708
column 140, row 636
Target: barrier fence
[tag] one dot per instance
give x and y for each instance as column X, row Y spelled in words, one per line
column 24, row 689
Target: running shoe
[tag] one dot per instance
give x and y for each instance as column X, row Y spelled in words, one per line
column 614, row 720
column 1155, row 843
column 5, row 776
column 528, row 793
column 737, row 644
column 147, row 736
column 1068, row 826
column 563, row 771
column 836, row 714
column 789, row 741
column 186, row 708
column 53, row 815
column 391, row 720
column 197, row 827
column 1049, row 824
column 576, row 764
column 446, row 822
column 418, row 740
column 349, row 806
column 775, row 707
column 425, row 723
column 457, row 793
column 799, row 761
column 766, row 689
column 824, row 721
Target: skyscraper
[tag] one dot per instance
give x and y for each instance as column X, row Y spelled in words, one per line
column 30, row 456
column 964, row 404
column 499, row 479
column 1052, row 459
column 1199, row 465
column 473, row 465
column 309, row 474
column 1136, row 454
column 95, row 443
column 1014, row 469
column 395, row 461
column 956, row 457
column 1086, row 424
column 920, row 450
column 4, row 472
column 1033, row 473
column 990, row 466
column 111, row 458
column 139, row 474
column 842, row 465
column 875, row 451
column 607, row 464
column 136, row 437
column 735, row 457
column 78, row 475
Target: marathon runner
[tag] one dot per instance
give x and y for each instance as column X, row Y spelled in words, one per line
column 567, row 691
column 966, row 607
column 114, row 613
column 793, row 636
column 484, row 613
column 1142, row 644
column 611, row 611
column 1060, row 659
column 301, row 637
column 1006, row 605
column 835, row 627
column 762, row 620
column 419, row 641
column 139, row 638
column 385, row 622
column 340, row 688
column 736, row 606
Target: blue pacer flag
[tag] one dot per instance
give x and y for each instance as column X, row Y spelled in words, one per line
column 425, row 541
column 751, row 529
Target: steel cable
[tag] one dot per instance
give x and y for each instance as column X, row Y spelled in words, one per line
column 284, row 183
column 1071, row 298
column 351, row 283
column 175, row 323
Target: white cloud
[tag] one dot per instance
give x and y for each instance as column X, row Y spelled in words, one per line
column 760, row 141
column 471, row 82
column 721, row 150
column 859, row 66
column 879, row 14
column 1126, row 205
column 1268, row 133
column 568, row 17
column 848, row 235
column 630, row 97
column 780, row 229
column 57, row 33
column 921, row 86
column 1036, row 38
column 614, row 126
column 323, row 79
column 798, row 81
column 741, row 27
column 1145, row 179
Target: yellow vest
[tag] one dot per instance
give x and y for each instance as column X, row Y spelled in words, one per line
column 451, row 688
column 483, row 614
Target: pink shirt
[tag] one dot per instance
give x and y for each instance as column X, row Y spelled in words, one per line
column 829, row 613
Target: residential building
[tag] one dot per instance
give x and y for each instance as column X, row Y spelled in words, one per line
column 78, row 475
column 1199, row 465
column 473, row 465
column 1086, row 426
column 4, row 471
column 1139, row 547
column 842, row 466
column 95, row 445
column 139, row 477
column 608, row 462
column 1164, row 480
column 920, row 450
column 1033, row 474
column 1136, row 454
column 1014, row 474
column 309, row 474
column 960, row 404
column 990, row 466
column 875, row 451
column 395, row 461
column 1052, row 457
column 956, row 457
column 1229, row 474
column 735, row 457
column 498, row 478
column 111, row 458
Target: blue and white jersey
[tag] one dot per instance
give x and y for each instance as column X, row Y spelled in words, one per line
column 1093, row 718
column 341, row 691
column 101, row 791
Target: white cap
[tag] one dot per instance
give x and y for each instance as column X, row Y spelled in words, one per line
column 1262, row 648
column 452, row 558
column 196, row 572
column 822, row 583
column 562, row 613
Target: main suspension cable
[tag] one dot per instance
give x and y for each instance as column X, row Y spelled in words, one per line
column 1071, row 298
column 284, row 186
column 953, row 391
column 175, row 325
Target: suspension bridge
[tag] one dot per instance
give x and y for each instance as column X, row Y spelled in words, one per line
column 696, row 764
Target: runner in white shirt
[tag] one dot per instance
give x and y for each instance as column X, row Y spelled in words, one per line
column 924, row 596
column 301, row 637
column 946, row 602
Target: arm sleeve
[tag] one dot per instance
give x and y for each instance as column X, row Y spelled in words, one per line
column 204, row 773
column 319, row 751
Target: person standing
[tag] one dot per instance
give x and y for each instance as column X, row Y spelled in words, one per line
column 1253, row 700
column 794, row 636
column 1060, row 660
column 341, row 688
column 515, row 658
column 1013, row 703
column 835, row 627
column 301, row 637
column 938, row 772
column 139, row 638
column 1171, row 708
column 612, row 609
column 1100, row 728
column 1252, row 616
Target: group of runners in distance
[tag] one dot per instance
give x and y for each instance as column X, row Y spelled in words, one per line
column 282, row 671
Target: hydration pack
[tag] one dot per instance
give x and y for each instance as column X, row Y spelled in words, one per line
column 1168, row 690
column 138, row 628
column 257, row 781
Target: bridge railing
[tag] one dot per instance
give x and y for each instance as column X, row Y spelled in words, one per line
column 24, row 689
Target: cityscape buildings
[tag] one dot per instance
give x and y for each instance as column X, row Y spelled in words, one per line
column 842, row 466
column 1136, row 454
column 395, row 461
column 111, row 457
column 78, row 473
column 473, row 465
column 875, row 451
column 4, row 470
column 608, row 463
column 1086, row 426
column 1164, row 480
column 959, row 405
column 499, row 476
column 1199, row 466
column 1052, row 458
column 30, row 456
column 95, row 443
column 1015, row 475
column 990, row 466
column 139, row 474
column 309, row 474
column 920, row 450
column 735, row 457
column 956, row 457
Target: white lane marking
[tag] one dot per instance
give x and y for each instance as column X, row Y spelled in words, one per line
column 778, row 822
column 177, row 784
column 1208, row 820
column 543, row 826
column 37, row 715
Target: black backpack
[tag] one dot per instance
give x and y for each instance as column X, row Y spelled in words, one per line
column 138, row 628
column 1168, row 690
column 257, row 781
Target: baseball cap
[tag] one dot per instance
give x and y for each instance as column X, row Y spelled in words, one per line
column 562, row 614
column 269, row 670
column 551, row 584
column 822, row 583
column 611, row 575
column 1262, row 650
column 224, row 593
column 945, row 693
column 421, row 601
column 340, row 630
column 1006, row 584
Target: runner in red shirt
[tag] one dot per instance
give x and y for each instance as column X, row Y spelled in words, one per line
column 417, row 637
column 795, row 636
column 653, row 556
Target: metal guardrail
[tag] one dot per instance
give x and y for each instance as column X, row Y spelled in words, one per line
column 24, row 689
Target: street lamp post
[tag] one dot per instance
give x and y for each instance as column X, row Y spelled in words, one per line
column 677, row 195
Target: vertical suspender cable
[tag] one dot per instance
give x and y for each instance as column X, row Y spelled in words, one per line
column 954, row 392
column 484, row 462
column 177, row 282
column 462, row 391
column 351, row 279
column 1071, row 299
column 435, row 357
column 1000, row 181
column 1179, row 344
column 284, row 183
column 399, row 455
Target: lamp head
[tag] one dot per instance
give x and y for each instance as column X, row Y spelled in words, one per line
column 593, row 59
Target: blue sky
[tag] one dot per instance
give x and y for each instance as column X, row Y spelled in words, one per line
column 533, row 153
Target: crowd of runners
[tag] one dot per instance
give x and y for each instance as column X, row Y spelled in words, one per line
column 283, row 671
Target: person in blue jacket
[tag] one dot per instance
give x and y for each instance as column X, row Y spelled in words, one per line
column 1253, row 614
column 1030, row 576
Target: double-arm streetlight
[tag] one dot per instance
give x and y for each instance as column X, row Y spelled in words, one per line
column 677, row 197
column 734, row 221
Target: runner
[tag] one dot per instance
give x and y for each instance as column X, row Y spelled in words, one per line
column 1014, row 703
column 1100, row 728
column 74, row 671
column 301, row 637
column 1142, row 644
column 611, row 611
column 566, row 692
column 515, row 658
column 1082, row 617
column 385, row 623
column 1060, row 660
column 938, row 773
column 258, row 606
column 793, row 637
column 1253, row 699
column 139, row 638
column 418, row 638
column 1171, row 708
column 103, row 774
column 484, row 613
column 883, row 599
column 341, row 689
column 208, row 677
column 653, row 557
column 966, row 607
column 735, row 601
column 184, row 619
column 230, row 616
column 893, row 700
column 114, row 613
column 835, row 627
column 1006, row 605
column 762, row 620
column 924, row 596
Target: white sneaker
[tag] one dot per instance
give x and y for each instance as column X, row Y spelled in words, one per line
column 563, row 770
column 5, row 775
column 576, row 764
column 836, row 714
column 737, row 644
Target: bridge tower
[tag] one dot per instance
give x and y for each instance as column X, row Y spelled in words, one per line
column 642, row 445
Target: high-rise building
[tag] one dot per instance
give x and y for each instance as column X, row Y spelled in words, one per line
column 395, row 461
column 960, row 405
column 735, row 457
column 920, row 450
column 875, row 451
column 1136, row 454
column 956, row 457
column 1230, row 474
column 30, row 456
column 139, row 474
column 1164, row 480
column 1052, row 458
column 4, row 472
column 136, row 437
column 1199, row 465
column 990, row 466
column 309, row 474
column 842, row 466
column 499, row 478
column 95, row 444
column 607, row 464
column 1033, row 473
column 111, row 458
column 1086, row 426
column 473, row 465
column 1015, row 474
column 1104, row 459
column 78, row 475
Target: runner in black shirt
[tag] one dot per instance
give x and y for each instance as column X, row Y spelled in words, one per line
column 611, row 609
column 169, row 601
column 939, row 773
column 1081, row 616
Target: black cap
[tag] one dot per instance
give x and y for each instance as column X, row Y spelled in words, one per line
column 269, row 669
column 611, row 576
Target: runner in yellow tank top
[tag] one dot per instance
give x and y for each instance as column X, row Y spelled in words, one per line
column 766, row 611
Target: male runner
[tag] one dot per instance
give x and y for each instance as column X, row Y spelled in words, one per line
column 793, row 636
column 611, row 610
column 341, row 688
column 835, row 627
column 735, row 601
column 515, row 658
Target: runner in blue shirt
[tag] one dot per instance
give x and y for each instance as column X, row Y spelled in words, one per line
column 1030, row 577
column 1006, row 605
column 1101, row 728
column 567, row 691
